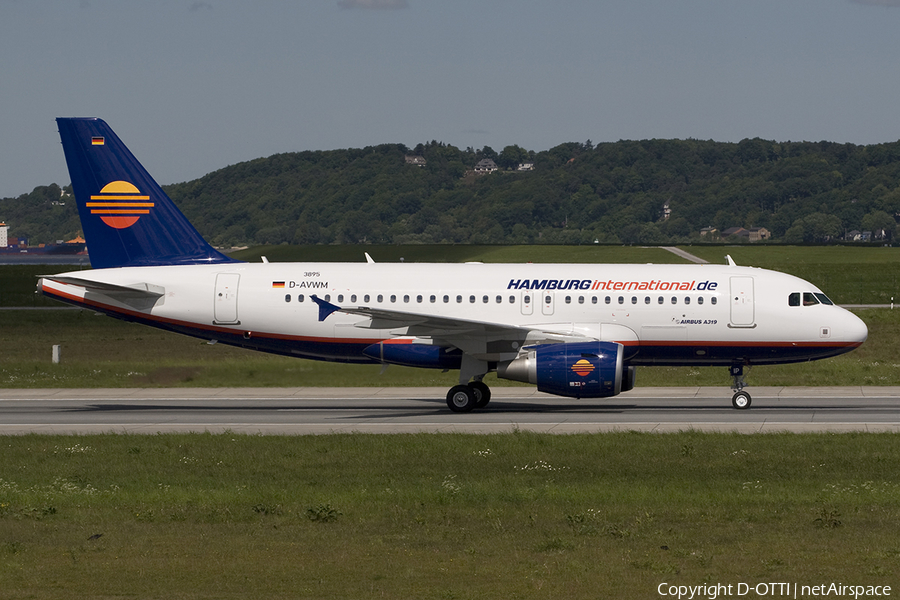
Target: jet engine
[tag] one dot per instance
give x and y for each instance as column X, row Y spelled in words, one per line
column 579, row 370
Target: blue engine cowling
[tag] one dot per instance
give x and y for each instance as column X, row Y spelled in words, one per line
column 580, row 370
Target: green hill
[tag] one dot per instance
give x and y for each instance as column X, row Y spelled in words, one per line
column 576, row 193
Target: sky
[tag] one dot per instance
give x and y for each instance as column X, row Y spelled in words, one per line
column 192, row 86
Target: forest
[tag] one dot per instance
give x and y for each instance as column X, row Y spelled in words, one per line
column 576, row 193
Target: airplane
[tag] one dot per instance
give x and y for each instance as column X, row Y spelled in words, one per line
column 573, row 330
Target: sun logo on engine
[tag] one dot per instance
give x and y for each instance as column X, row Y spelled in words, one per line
column 120, row 204
column 583, row 368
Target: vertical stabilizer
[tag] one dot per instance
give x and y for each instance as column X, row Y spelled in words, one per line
column 128, row 220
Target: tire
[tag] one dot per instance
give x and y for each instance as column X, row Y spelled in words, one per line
column 461, row 399
column 482, row 393
column 741, row 400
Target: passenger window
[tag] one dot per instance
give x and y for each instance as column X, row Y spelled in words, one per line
column 458, row 299
column 547, row 299
column 527, row 300
column 471, row 299
column 499, row 299
column 366, row 298
column 674, row 300
column 634, row 299
column 700, row 300
column 446, row 298
column 327, row 297
column 660, row 300
column 687, row 299
column 568, row 299
column 300, row 298
column 593, row 299
column 580, row 299
column 406, row 298
column 353, row 298
column 713, row 300
column 485, row 299
column 647, row 300
column 432, row 299
column 419, row 299
column 341, row 298
column 393, row 297
column 287, row 298
column 794, row 299
column 621, row 299
column 512, row 299
column 809, row 299
column 380, row 298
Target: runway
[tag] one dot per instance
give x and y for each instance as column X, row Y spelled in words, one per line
column 303, row 411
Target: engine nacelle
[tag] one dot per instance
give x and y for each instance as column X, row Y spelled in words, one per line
column 580, row 370
column 628, row 377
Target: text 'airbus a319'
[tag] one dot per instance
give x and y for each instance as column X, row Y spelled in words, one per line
column 571, row 330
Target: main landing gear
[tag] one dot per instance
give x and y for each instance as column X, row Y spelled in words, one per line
column 741, row 399
column 466, row 397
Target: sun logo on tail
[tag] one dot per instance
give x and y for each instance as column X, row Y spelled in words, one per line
column 120, row 204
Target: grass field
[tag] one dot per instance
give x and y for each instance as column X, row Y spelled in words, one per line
column 449, row 516
column 849, row 275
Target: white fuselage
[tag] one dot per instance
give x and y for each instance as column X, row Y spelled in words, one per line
column 662, row 314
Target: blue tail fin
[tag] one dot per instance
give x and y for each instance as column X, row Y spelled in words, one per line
column 128, row 220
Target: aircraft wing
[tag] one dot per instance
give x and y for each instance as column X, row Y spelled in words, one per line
column 470, row 335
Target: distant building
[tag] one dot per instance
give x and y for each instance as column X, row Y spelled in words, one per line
column 4, row 228
column 525, row 166
column 758, row 234
column 484, row 166
column 738, row 231
column 754, row 234
column 712, row 232
column 667, row 210
column 419, row 161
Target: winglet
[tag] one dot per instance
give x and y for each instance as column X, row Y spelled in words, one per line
column 325, row 308
column 730, row 260
column 369, row 258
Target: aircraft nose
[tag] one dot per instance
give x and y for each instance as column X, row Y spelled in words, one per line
column 852, row 328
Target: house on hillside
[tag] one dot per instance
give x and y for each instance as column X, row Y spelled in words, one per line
column 753, row 234
column 758, row 234
column 485, row 166
column 525, row 166
column 418, row 161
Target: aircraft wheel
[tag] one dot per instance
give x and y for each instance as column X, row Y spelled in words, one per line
column 482, row 393
column 461, row 398
column 741, row 400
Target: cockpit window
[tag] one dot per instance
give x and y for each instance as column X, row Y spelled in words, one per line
column 809, row 299
column 824, row 299
column 794, row 299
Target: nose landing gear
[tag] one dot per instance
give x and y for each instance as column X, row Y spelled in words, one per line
column 741, row 399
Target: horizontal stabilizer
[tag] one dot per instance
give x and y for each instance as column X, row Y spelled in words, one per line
column 136, row 289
